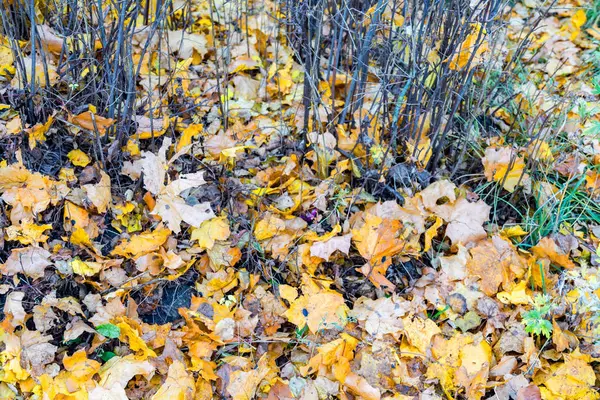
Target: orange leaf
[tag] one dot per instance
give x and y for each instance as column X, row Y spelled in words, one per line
column 91, row 122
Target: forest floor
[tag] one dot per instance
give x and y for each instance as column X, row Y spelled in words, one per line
column 229, row 246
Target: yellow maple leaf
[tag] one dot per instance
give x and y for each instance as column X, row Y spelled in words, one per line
column 577, row 21
column 268, row 227
column 331, row 353
column 78, row 158
column 188, row 134
column 504, row 166
column 28, row 233
column 210, row 231
column 419, row 332
column 85, row 268
column 37, row 133
column 80, row 367
column 378, row 240
column 572, row 380
column 317, row 308
column 12, row 372
column 244, row 384
column 80, row 237
column 179, row 384
column 512, row 231
column 118, row 371
column 131, row 336
column 472, row 48
column 143, row 243
column 518, row 295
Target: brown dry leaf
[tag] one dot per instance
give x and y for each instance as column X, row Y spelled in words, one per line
column 560, row 340
column 465, row 220
column 174, row 210
column 455, row 267
column 37, row 351
column 326, row 248
column 530, row 392
column 31, row 261
column 13, row 306
column 49, row 39
column 99, row 194
column 75, row 329
column 118, row 371
column 360, row 387
column 438, row 191
column 179, row 384
column 186, row 44
column 148, row 128
column 42, row 79
column 547, row 248
column 380, row 317
column 170, row 206
column 496, row 262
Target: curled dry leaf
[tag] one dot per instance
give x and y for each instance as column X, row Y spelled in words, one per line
column 92, row 122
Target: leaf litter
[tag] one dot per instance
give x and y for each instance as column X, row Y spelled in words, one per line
column 269, row 251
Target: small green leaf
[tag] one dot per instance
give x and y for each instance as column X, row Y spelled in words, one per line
column 300, row 332
column 545, row 328
column 105, row 355
column 109, row 330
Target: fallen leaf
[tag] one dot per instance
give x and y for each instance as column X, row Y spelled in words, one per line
column 465, row 220
column 317, row 308
column 504, row 166
column 547, row 248
column 179, row 385
column 572, row 380
column 142, row 243
column 118, row 371
column 13, row 306
column 92, row 122
column 380, row 317
column 99, row 194
column 148, row 128
column 31, row 261
column 326, row 248
column 78, row 158
column 496, row 262
column 471, row 49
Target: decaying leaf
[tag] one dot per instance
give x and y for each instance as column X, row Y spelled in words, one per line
column 31, row 261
